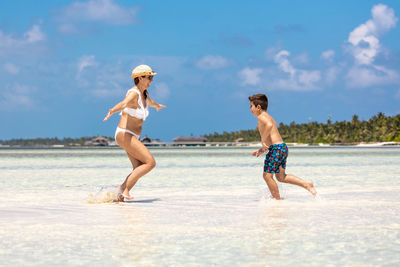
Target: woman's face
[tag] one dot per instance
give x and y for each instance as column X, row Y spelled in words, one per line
column 145, row 81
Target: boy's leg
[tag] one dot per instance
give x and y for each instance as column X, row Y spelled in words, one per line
column 292, row 179
column 273, row 187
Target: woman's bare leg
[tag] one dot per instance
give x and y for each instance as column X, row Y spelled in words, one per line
column 137, row 152
column 292, row 179
column 135, row 164
column 273, row 187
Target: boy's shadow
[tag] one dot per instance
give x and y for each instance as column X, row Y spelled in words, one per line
column 143, row 200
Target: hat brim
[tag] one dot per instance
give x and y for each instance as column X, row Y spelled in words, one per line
column 146, row 73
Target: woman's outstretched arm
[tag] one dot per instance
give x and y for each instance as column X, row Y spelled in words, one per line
column 154, row 104
column 121, row 105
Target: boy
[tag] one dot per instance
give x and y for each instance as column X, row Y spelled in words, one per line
column 275, row 161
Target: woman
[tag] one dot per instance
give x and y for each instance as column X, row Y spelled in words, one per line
column 134, row 109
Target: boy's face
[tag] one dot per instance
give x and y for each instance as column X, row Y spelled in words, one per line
column 255, row 110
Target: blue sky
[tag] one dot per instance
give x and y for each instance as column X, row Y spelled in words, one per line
column 63, row 64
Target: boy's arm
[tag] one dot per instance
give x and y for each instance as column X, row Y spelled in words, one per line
column 264, row 127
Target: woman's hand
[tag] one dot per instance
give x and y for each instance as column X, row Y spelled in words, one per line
column 160, row 107
column 108, row 115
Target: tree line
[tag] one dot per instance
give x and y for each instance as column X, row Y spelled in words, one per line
column 379, row 128
column 48, row 141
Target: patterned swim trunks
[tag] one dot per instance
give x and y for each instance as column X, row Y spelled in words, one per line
column 276, row 157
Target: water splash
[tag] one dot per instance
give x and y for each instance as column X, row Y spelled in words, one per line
column 318, row 198
column 106, row 194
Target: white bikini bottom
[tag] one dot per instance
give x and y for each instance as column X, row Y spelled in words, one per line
column 125, row 131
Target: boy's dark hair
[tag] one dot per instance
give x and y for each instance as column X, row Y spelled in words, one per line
column 259, row 99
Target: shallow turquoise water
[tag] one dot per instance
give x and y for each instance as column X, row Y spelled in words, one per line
column 200, row 207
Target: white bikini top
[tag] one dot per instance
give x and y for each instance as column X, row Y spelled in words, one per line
column 141, row 112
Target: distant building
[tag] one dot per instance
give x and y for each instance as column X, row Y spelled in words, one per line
column 190, row 139
column 98, row 141
column 147, row 141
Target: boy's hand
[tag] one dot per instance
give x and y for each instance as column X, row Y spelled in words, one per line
column 258, row 152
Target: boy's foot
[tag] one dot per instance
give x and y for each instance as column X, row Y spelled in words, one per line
column 310, row 187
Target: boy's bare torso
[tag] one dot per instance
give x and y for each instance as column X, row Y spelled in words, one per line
column 268, row 130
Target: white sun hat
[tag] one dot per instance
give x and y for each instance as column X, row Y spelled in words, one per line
column 142, row 70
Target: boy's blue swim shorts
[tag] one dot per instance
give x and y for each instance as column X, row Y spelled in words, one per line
column 276, row 157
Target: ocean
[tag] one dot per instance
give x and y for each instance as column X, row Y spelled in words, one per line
column 200, row 206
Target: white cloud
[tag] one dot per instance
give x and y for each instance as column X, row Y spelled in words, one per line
column 34, row 35
column 271, row 52
column 105, row 80
column 308, row 78
column 364, row 40
column 250, row 76
column 161, row 91
column 85, row 61
column 17, row 97
column 10, row 43
column 301, row 59
column 383, row 17
column 105, row 11
column 86, row 78
column 331, row 74
column 305, row 81
column 369, row 76
column 298, row 79
column 99, row 79
column 284, row 64
column 211, row 62
column 328, row 55
column 364, row 45
column 11, row 68
column 104, row 93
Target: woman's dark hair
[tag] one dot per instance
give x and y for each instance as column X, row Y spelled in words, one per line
column 136, row 81
column 259, row 99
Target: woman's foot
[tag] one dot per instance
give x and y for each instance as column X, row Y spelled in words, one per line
column 121, row 189
column 128, row 197
column 120, row 198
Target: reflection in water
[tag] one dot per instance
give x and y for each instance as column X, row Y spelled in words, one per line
column 135, row 236
column 272, row 224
